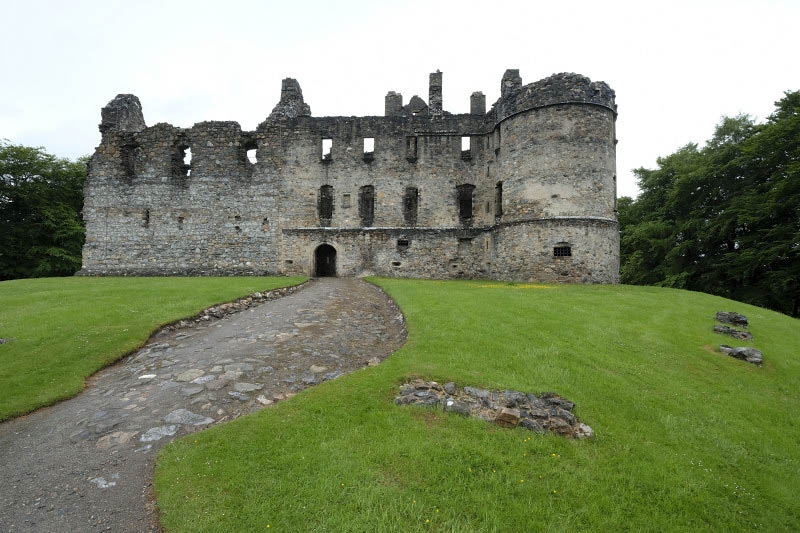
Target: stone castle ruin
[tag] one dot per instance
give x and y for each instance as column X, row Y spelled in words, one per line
column 525, row 191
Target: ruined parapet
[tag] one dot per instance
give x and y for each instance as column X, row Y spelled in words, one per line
column 416, row 106
column 435, row 94
column 511, row 82
column 393, row 104
column 477, row 103
column 562, row 88
column 291, row 104
column 123, row 113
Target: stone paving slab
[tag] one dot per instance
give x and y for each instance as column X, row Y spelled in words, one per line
column 86, row 464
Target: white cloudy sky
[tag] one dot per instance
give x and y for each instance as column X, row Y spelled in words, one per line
column 676, row 66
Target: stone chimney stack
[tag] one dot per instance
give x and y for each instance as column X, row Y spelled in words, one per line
column 435, row 94
column 477, row 103
column 291, row 104
column 394, row 104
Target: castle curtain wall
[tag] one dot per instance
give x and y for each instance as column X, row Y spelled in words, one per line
column 548, row 147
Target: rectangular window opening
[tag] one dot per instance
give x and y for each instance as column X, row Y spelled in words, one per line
column 366, row 205
column 345, row 201
column 410, row 205
column 466, row 151
column 369, row 145
column 327, row 147
column 498, row 199
column 403, row 244
column 251, row 156
column 464, row 193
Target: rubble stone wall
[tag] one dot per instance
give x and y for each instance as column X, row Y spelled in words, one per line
column 539, row 174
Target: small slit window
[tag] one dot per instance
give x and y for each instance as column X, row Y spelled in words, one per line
column 411, row 148
column 562, row 251
column 180, row 222
column 146, row 219
column 498, row 199
column 187, row 161
column 327, row 147
column 403, row 244
column 345, row 201
column 410, row 205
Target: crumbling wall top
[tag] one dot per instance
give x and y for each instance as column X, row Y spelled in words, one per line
column 123, row 113
column 291, row 104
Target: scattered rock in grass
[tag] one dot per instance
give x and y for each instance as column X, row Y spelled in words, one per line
column 375, row 361
column 729, row 317
column 745, row 353
column 507, row 408
column 184, row 416
column 5, row 341
column 735, row 333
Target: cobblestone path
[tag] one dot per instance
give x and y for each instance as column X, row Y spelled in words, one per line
column 86, row 464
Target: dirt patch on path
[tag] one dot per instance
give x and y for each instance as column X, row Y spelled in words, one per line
column 86, row 464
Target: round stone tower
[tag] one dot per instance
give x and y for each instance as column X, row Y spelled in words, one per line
column 555, row 158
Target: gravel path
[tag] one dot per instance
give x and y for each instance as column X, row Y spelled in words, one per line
column 86, row 464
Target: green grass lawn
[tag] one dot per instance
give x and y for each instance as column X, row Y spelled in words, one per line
column 686, row 438
column 65, row 329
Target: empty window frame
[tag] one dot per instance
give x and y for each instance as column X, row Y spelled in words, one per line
column 345, row 201
column 498, row 199
column 410, row 205
column 369, row 148
column 366, row 205
column 403, row 244
column 562, row 250
column 466, row 148
column 325, row 205
column 464, row 195
column 327, row 149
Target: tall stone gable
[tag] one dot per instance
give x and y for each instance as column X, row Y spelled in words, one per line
column 524, row 191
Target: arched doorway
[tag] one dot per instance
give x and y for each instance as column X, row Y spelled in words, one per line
column 325, row 260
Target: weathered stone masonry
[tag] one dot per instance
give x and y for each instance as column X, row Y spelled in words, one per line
column 525, row 191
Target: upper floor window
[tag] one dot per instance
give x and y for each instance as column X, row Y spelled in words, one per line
column 464, row 193
column 325, row 205
column 410, row 205
column 366, row 205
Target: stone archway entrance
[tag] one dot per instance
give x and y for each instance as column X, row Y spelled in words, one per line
column 325, row 260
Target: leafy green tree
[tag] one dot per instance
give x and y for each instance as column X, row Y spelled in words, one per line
column 41, row 197
column 724, row 219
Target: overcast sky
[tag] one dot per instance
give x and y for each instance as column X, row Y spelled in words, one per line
column 676, row 67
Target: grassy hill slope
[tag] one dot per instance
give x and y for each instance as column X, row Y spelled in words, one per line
column 686, row 438
column 65, row 329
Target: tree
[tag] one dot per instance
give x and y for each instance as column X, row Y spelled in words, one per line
column 724, row 219
column 41, row 197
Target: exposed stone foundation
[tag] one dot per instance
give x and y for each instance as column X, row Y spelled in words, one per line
column 507, row 408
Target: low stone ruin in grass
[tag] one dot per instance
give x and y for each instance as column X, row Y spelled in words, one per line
column 745, row 353
column 507, row 408
column 751, row 355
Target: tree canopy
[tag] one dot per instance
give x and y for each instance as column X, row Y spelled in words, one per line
column 725, row 218
column 41, row 197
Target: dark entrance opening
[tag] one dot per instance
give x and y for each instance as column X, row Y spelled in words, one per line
column 325, row 261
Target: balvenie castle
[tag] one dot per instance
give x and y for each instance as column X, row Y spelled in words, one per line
column 525, row 191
